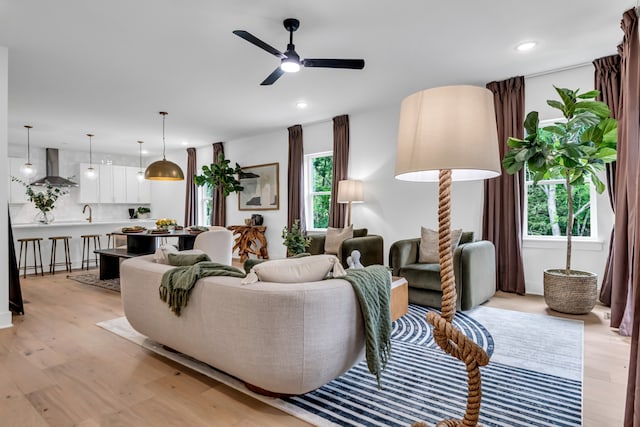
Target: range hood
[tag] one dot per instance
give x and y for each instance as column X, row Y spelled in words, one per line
column 53, row 177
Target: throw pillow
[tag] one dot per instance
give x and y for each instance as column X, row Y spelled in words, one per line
column 335, row 237
column 180, row 259
column 429, row 244
column 162, row 253
column 296, row 270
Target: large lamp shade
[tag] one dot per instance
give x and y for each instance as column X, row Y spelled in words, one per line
column 450, row 127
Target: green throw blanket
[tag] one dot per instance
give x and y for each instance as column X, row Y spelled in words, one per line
column 372, row 286
column 177, row 283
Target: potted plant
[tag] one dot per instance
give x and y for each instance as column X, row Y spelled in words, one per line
column 43, row 200
column 575, row 150
column 294, row 240
column 220, row 174
column 143, row 212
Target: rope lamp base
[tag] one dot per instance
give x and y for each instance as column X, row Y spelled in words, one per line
column 448, row 337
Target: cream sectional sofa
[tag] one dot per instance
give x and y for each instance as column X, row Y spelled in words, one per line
column 278, row 338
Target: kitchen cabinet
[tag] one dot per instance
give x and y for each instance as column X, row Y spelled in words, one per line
column 112, row 184
column 17, row 192
column 89, row 187
column 138, row 190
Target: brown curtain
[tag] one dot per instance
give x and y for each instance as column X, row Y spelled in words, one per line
column 295, row 178
column 607, row 81
column 191, row 196
column 627, row 243
column 504, row 195
column 219, row 202
column 338, row 211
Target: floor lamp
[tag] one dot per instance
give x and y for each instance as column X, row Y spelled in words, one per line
column 350, row 191
column 449, row 134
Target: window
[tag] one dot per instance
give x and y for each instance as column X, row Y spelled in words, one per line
column 318, row 173
column 546, row 205
column 205, row 199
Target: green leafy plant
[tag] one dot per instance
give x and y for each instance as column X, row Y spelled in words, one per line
column 294, row 240
column 143, row 210
column 575, row 149
column 44, row 200
column 220, row 174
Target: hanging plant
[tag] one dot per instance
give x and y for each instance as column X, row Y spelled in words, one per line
column 220, row 175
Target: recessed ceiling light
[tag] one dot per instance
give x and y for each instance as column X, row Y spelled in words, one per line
column 185, row 142
column 301, row 104
column 522, row 47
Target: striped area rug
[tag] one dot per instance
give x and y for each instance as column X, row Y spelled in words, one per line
column 534, row 377
column 423, row 383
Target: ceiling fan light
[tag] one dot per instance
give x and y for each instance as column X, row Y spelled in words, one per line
column 290, row 66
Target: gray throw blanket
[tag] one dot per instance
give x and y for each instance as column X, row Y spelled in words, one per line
column 372, row 286
column 177, row 283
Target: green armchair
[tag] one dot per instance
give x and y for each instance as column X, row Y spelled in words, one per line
column 474, row 268
column 371, row 247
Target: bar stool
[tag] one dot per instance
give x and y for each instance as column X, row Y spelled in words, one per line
column 24, row 243
column 86, row 249
column 111, row 240
column 67, row 255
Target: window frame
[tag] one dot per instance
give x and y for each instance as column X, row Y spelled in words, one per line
column 593, row 208
column 308, row 188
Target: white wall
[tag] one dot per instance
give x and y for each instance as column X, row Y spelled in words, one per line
column 396, row 209
column 5, row 314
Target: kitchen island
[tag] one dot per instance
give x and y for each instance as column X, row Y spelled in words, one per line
column 74, row 229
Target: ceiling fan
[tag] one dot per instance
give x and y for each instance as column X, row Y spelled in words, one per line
column 290, row 61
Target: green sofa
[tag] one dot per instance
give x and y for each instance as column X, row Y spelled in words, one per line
column 371, row 247
column 474, row 268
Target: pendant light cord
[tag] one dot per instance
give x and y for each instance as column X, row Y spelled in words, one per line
column 164, row 157
column 28, row 145
column 140, row 157
column 90, row 154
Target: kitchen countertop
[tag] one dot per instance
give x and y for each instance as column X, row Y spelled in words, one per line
column 79, row 222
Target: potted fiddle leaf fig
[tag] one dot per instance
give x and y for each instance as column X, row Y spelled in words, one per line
column 220, row 174
column 575, row 150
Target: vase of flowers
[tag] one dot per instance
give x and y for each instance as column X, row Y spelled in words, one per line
column 166, row 224
column 43, row 200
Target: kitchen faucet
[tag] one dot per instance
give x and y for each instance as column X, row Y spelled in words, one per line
column 84, row 208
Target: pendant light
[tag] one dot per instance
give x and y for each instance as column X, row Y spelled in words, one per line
column 90, row 172
column 27, row 170
column 140, row 171
column 164, row 170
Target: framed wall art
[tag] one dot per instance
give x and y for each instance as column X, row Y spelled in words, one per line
column 261, row 188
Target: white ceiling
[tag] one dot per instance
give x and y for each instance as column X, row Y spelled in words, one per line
column 109, row 67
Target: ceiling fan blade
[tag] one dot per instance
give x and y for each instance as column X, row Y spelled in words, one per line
column 256, row 41
column 271, row 79
column 356, row 64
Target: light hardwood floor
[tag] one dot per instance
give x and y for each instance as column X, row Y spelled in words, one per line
column 57, row 368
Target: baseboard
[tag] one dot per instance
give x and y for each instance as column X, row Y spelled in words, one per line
column 5, row 320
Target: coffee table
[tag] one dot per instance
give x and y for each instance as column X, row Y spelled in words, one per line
column 399, row 297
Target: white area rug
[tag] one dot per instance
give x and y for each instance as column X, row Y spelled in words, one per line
column 534, row 377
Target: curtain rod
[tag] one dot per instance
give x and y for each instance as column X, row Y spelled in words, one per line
column 557, row 70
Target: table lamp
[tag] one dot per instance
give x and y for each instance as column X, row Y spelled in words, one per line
column 449, row 134
column 350, row 191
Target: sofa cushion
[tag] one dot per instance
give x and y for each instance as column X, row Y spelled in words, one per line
column 360, row 232
column 296, row 270
column 182, row 258
column 422, row 276
column 429, row 244
column 335, row 237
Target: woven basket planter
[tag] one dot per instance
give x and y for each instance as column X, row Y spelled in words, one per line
column 573, row 294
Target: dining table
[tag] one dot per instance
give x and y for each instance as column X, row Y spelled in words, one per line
column 145, row 241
